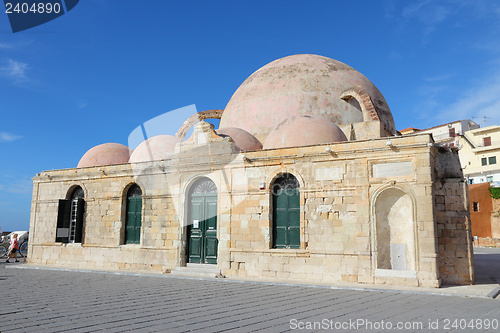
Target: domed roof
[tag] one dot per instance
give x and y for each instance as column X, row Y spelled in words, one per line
column 105, row 154
column 242, row 139
column 304, row 130
column 303, row 84
column 155, row 148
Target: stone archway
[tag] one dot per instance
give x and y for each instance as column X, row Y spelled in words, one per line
column 197, row 117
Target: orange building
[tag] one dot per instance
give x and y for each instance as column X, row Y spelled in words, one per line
column 481, row 206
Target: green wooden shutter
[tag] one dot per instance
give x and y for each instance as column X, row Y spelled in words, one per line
column 62, row 230
column 293, row 219
column 138, row 219
column 80, row 210
column 286, row 214
column 133, row 224
column 129, row 225
column 280, row 220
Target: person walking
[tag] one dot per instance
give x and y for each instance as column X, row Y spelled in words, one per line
column 14, row 247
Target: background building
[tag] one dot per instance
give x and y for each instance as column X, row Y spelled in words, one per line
column 479, row 151
column 447, row 134
column 485, row 215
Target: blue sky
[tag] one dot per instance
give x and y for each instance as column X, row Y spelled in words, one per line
column 96, row 73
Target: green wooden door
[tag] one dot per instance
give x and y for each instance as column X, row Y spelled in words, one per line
column 133, row 229
column 196, row 230
column 202, row 230
column 286, row 214
column 210, row 230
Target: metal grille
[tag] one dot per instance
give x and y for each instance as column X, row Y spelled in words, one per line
column 77, row 193
column 134, row 191
column 204, row 185
column 285, row 182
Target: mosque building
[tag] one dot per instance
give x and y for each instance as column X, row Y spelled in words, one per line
column 305, row 179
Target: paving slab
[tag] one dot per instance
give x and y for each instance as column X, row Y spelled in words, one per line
column 56, row 300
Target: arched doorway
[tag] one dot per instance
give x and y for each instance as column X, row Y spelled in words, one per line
column 286, row 212
column 70, row 217
column 133, row 218
column 202, row 222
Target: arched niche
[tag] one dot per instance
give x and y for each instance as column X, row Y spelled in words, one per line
column 394, row 229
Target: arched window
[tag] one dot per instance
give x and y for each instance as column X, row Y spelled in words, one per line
column 70, row 217
column 133, row 217
column 286, row 212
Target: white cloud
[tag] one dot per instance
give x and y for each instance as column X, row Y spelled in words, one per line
column 389, row 9
column 428, row 13
column 7, row 137
column 395, row 55
column 5, row 46
column 82, row 105
column 437, row 78
column 15, row 70
column 19, row 186
column 481, row 100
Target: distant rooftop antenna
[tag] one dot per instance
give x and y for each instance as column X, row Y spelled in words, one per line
column 484, row 119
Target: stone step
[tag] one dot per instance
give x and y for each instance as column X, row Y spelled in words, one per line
column 202, row 266
column 198, row 271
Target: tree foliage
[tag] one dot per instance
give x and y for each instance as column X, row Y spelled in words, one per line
column 495, row 192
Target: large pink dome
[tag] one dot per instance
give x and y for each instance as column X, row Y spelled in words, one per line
column 242, row 139
column 304, row 130
column 303, row 84
column 105, row 154
column 156, row 148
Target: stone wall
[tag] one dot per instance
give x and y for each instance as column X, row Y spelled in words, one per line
column 487, row 242
column 103, row 234
column 495, row 218
column 346, row 193
column 454, row 235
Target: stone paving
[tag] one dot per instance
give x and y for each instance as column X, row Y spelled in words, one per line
column 41, row 300
column 63, row 301
column 487, row 265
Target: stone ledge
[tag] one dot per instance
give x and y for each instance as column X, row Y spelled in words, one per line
column 278, row 252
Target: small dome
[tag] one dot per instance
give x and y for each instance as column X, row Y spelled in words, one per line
column 242, row 139
column 158, row 147
column 105, row 154
column 302, row 84
column 304, row 130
